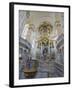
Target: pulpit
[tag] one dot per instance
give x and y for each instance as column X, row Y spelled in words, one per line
column 30, row 69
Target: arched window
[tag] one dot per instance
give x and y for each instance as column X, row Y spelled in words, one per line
column 25, row 31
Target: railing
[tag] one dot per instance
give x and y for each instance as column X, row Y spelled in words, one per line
column 24, row 43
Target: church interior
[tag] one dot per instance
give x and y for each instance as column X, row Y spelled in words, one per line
column 41, row 44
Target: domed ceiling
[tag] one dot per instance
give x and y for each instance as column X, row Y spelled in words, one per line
column 40, row 27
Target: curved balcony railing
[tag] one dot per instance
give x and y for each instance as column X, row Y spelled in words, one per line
column 24, row 43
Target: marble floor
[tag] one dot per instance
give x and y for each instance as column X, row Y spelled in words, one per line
column 45, row 70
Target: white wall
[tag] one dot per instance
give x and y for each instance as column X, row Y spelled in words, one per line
column 22, row 19
column 4, row 44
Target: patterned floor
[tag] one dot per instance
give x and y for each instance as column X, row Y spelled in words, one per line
column 44, row 70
